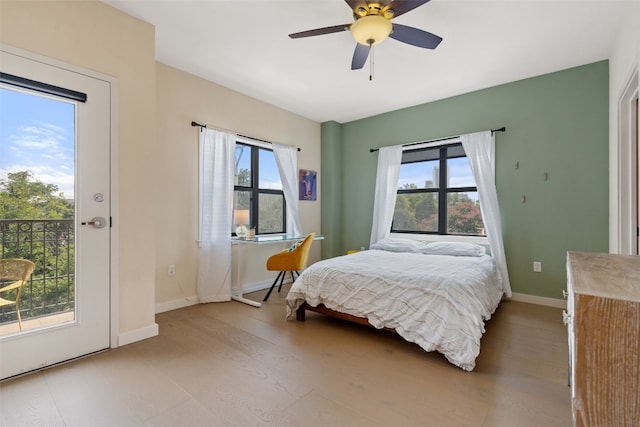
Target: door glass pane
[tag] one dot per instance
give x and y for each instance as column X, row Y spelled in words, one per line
column 463, row 214
column 416, row 212
column 37, row 215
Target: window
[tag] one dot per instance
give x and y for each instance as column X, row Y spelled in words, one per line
column 437, row 193
column 258, row 189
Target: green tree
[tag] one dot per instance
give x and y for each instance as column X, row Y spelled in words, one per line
column 419, row 212
column 416, row 211
column 463, row 215
column 271, row 211
column 404, row 217
column 426, row 206
column 22, row 197
column 27, row 207
column 244, row 177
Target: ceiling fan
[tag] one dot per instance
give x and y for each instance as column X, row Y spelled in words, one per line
column 373, row 24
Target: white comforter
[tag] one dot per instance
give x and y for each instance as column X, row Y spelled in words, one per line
column 440, row 302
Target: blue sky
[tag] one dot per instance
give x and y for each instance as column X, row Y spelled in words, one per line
column 269, row 176
column 460, row 174
column 37, row 134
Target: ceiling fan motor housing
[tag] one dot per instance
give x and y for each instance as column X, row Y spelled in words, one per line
column 371, row 29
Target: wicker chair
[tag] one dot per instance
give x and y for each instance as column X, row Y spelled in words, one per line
column 14, row 273
column 290, row 260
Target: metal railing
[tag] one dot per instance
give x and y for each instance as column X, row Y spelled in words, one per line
column 50, row 244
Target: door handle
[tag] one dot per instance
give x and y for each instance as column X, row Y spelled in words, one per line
column 97, row 222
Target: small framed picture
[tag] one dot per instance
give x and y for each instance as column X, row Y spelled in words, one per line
column 307, row 184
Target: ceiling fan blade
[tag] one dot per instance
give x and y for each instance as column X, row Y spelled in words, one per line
column 360, row 56
column 415, row 37
column 403, row 6
column 321, row 31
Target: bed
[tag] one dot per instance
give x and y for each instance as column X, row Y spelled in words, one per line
column 435, row 294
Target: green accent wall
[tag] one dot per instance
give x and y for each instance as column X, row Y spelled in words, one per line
column 557, row 125
column 331, row 184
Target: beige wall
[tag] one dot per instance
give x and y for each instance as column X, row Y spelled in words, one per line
column 182, row 98
column 95, row 36
column 157, row 148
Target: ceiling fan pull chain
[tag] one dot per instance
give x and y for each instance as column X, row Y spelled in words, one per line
column 371, row 62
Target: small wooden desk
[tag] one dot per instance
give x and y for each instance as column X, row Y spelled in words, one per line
column 236, row 293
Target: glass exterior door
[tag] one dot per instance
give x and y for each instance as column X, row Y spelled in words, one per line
column 54, row 211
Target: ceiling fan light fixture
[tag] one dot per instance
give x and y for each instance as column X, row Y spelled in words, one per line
column 371, row 30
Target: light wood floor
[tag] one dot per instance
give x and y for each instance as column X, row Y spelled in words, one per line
column 229, row 364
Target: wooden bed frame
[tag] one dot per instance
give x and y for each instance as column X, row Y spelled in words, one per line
column 322, row 309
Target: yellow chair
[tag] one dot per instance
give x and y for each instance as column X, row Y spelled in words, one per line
column 14, row 273
column 289, row 260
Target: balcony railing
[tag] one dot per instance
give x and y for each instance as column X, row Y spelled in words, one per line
column 50, row 244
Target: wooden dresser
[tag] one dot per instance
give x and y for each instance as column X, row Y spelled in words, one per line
column 604, row 338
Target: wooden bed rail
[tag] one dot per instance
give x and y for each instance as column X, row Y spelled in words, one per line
column 300, row 315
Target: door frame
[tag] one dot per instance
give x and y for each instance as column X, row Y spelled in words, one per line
column 628, row 192
column 113, row 169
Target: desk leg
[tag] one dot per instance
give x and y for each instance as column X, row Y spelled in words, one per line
column 244, row 300
column 238, row 291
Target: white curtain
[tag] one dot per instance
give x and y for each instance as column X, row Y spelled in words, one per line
column 389, row 159
column 287, row 161
column 480, row 150
column 217, row 150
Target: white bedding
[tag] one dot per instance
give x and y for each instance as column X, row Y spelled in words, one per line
column 440, row 302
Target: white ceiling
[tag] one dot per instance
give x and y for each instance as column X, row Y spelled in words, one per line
column 244, row 45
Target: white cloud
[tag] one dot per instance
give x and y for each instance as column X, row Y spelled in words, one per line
column 47, row 175
column 42, row 137
column 44, row 150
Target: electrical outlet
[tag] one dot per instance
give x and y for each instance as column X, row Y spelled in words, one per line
column 537, row 267
column 171, row 271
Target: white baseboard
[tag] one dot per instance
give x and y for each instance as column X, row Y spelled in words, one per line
column 138, row 334
column 176, row 304
column 534, row 299
column 193, row 300
column 258, row 286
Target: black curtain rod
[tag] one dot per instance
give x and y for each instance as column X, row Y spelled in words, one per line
column 42, row 87
column 502, row 129
column 243, row 136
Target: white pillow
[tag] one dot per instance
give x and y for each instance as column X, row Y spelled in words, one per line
column 398, row 245
column 453, row 248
